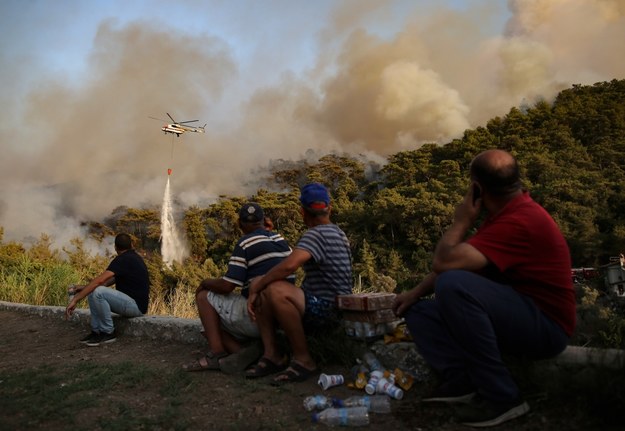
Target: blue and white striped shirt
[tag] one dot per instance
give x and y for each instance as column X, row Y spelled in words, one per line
column 329, row 272
column 254, row 255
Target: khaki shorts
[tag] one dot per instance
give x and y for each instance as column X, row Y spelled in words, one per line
column 232, row 310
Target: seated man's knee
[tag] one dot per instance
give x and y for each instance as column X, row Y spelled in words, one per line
column 277, row 292
column 98, row 292
column 449, row 283
column 201, row 296
column 419, row 312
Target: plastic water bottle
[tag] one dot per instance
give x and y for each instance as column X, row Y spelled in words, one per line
column 343, row 417
column 374, row 403
column 327, row 381
column 386, row 387
column 372, row 362
column 372, row 384
column 389, row 376
column 317, row 402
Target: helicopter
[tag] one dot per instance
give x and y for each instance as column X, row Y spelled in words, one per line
column 178, row 128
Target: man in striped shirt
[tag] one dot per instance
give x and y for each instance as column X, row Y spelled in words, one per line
column 222, row 311
column 324, row 254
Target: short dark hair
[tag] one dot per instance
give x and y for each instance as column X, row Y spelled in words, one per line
column 123, row 242
column 498, row 180
column 317, row 213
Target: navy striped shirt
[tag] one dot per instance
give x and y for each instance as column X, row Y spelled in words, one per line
column 255, row 254
column 329, row 271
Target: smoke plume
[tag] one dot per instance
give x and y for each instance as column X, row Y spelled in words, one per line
column 75, row 150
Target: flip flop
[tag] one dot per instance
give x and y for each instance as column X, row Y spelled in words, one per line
column 294, row 373
column 264, row 367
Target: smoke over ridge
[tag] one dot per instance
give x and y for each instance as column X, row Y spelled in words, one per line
column 76, row 150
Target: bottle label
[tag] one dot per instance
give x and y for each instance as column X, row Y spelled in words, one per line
column 327, row 381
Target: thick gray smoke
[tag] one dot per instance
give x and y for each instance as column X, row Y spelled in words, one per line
column 75, row 151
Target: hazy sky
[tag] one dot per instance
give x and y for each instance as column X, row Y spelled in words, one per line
column 271, row 79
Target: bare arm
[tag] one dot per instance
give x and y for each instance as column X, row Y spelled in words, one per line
column 217, row 285
column 105, row 279
column 404, row 301
column 279, row 272
column 451, row 251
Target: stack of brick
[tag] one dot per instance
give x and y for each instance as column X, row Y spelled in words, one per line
column 368, row 315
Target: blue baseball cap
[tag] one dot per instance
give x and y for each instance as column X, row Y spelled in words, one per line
column 315, row 196
column 251, row 212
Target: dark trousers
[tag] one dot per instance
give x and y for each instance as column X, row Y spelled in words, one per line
column 463, row 332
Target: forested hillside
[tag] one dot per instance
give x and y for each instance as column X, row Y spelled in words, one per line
column 572, row 155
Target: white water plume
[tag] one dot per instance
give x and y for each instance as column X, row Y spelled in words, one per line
column 173, row 247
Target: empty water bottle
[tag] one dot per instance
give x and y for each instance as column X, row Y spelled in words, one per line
column 327, row 381
column 386, row 387
column 372, row 384
column 358, row 369
column 344, row 417
column 317, row 402
column 389, row 376
column 372, row 362
column 374, row 403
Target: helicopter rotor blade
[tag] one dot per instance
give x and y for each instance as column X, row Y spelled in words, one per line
column 159, row 119
column 172, row 118
column 190, row 121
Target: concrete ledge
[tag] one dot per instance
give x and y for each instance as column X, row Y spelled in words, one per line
column 153, row 327
column 605, row 358
column 188, row 331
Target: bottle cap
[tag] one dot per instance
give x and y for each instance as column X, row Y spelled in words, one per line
column 337, row 402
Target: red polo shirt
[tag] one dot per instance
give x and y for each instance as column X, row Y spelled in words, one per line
column 526, row 246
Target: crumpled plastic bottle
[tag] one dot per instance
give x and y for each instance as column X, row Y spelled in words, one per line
column 374, row 403
column 345, row 416
column 317, row 402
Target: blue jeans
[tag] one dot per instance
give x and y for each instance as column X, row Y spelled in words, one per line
column 471, row 322
column 104, row 300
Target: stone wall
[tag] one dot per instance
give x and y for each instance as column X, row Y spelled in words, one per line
column 154, row 327
column 397, row 354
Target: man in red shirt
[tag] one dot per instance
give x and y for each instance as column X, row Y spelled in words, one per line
column 507, row 289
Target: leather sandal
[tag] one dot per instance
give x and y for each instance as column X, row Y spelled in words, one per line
column 264, row 367
column 210, row 361
column 294, row 373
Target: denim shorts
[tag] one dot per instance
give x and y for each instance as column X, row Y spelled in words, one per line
column 319, row 314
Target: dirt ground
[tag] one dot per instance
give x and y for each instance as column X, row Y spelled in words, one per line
column 223, row 401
